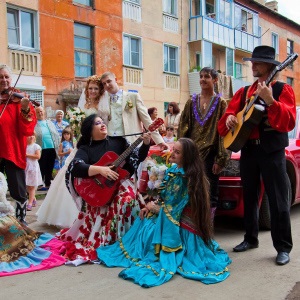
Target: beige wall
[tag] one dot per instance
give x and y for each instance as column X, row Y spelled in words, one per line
column 153, row 89
column 32, row 4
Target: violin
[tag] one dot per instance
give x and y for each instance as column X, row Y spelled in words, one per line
column 14, row 95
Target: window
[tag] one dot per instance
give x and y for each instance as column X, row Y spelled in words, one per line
column 290, row 47
column 245, row 20
column 290, row 81
column 170, row 7
column 84, row 2
column 83, row 44
column 195, row 8
column 132, row 51
column 198, row 60
column 224, row 13
column 210, row 7
column 171, row 59
column 238, row 71
column 22, row 28
column 275, row 42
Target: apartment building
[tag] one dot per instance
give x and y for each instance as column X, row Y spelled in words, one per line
column 154, row 47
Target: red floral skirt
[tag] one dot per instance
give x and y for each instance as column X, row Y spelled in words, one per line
column 100, row 226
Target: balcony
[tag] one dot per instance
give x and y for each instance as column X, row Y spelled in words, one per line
column 27, row 60
column 172, row 82
column 245, row 41
column 170, row 23
column 132, row 76
column 206, row 28
column 132, row 11
column 194, row 86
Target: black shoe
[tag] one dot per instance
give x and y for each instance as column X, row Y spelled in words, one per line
column 282, row 258
column 244, row 246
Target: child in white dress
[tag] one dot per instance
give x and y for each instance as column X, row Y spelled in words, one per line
column 169, row 138
column 32, row 171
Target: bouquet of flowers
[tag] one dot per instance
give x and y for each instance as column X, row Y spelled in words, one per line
column 154, row 166
column 75, row 116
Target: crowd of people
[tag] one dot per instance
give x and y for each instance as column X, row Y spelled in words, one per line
column 94, row 197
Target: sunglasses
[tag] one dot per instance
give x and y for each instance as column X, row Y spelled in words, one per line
column 99, row 123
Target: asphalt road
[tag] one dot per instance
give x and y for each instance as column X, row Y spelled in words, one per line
column 254, row 274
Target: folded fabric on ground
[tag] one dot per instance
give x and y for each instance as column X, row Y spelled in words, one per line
column 24, row 250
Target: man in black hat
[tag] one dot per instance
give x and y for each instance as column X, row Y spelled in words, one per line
column 263, row 155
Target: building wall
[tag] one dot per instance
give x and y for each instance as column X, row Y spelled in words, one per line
column 152, row 89
column 286, row 29
column 57, row 43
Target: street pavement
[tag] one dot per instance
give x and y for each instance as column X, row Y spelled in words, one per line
column 254, row 274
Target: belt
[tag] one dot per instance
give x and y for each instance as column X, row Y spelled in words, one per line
column 253, row 142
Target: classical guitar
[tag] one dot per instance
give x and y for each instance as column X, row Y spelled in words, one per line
column 251, row 115
column 98, row 190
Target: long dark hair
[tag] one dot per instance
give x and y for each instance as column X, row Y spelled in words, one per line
column 86, row 130
column 198, row 188
column 176, row 109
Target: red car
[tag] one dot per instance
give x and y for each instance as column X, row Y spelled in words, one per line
column 231, row 189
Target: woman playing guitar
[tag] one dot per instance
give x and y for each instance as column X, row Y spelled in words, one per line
column 102, row 225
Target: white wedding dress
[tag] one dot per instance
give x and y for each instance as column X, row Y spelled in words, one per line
column 58, row 207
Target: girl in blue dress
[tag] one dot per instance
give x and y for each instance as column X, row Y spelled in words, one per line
column 66, row 145
column 175, row 234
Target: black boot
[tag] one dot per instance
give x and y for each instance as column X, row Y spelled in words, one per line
column 21, row 212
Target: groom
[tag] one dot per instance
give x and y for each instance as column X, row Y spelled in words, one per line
column 127, row 112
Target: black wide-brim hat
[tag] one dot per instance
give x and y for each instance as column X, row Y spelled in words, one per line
column 263, row 54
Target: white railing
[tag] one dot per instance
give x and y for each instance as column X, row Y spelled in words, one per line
column 205, row 28
column 172, row 82
column 170, row 23
column 132, row 11
column 245, row 40
column 132, row 76
column 27, row 60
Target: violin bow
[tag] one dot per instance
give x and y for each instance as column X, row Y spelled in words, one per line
column 11, row 93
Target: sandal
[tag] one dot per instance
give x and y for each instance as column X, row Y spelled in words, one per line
column 29, row 207
column 34, row 203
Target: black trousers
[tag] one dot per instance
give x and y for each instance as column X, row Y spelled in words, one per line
column 15, row 180
column 46, row 163
column 254, row 164
column 213, row 179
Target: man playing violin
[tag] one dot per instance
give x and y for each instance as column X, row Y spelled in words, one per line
column 17, row 121
column 263, row 155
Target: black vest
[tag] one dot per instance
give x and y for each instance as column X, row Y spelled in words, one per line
column 270, row 139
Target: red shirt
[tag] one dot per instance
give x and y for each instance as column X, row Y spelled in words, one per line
column 14, row 129
column 281, row 114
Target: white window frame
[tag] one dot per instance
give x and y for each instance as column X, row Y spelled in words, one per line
column 168, row 46
column 167, row 7
column 35, row 25
column 275, row 42
column 131, row 37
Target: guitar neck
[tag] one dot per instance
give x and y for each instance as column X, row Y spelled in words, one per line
column 268, row 80
column 123, row 156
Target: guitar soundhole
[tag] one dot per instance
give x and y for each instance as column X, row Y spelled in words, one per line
column 109, row 183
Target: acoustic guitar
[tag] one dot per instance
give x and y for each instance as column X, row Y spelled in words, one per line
column 251, row 115
column 98, row 190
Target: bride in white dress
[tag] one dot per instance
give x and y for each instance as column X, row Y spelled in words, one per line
column 59, row 208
